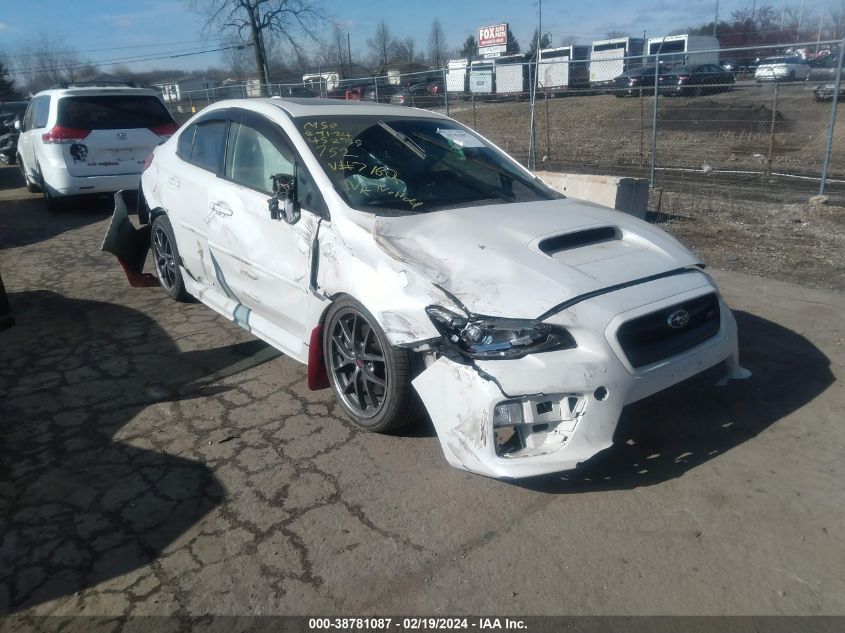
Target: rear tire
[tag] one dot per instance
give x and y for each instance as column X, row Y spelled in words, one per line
column 167, row 260
column 53, row 203
column 371, row 379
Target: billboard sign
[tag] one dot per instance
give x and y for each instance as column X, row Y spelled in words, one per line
column 495, row 35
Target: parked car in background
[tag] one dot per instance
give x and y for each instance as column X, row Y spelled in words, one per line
column 383, row 94
column 300, row 92
column 824, row 92
column 739, row 66
column 631, row 83
column 412, row 265
column 11, row 116
column 785, row 68
column 417, row 96
column 696, row 80
column 823, row 69
column 89, row 140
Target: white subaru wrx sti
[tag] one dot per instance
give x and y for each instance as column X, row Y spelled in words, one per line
column 412, row 264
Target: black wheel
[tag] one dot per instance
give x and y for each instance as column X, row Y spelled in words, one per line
column 31, row 186
column 53, row 203
column 167, row 259
column 371, row 379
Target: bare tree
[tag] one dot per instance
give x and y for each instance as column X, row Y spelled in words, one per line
column 437, row 44
column 45, row 62
column 338, row 52
column 404, row 50
column 382, row 45
column 259, row 20
column 238, row 60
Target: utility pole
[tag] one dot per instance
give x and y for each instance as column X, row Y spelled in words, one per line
column 349, row 53
column 800, row 18
column 821, row 19
column 532, row 149
column 716, row 18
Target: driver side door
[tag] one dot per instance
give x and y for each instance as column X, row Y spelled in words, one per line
column 263, row 264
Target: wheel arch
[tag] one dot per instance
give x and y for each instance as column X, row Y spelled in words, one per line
column 318, row 376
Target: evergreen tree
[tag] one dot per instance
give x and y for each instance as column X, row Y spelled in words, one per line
column 7, row 85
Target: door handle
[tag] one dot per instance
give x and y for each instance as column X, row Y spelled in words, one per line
column 217, row 208
column 173, row 181
column 221, row 208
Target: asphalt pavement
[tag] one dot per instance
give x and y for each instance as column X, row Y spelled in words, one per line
column 156, row 459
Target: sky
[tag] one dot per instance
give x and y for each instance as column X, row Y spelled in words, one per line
column 106, row 31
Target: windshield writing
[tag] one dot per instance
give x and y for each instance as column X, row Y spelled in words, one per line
column 396, row 165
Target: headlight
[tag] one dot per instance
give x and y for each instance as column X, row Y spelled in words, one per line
column 489, row 338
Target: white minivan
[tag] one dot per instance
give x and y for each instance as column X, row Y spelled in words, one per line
column 77, row 140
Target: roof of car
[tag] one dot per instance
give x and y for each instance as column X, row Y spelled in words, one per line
column 97, row 90
column 339, row 107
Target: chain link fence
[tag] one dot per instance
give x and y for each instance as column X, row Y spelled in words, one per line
column 696, row 126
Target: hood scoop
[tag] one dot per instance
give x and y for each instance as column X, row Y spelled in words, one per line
column 551, row 246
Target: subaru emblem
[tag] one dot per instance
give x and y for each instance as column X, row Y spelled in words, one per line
column 678, row 319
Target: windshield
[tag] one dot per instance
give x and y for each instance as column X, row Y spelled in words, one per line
column 780, row 60
column 391, row 165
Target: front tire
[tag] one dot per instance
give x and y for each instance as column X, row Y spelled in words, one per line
column 370, row 378
column 167, row 259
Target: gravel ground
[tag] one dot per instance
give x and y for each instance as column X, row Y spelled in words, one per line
column 801, row 243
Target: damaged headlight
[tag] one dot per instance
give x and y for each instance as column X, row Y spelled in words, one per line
column 488, row 338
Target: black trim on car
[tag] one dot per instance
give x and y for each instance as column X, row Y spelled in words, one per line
column 603, row 291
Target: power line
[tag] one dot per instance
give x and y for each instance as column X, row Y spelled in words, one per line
column 136, row 46
column 169, row 55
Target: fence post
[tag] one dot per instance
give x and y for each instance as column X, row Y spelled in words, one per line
column 474, row 118
column 772, row 130
column 548, row 128
column 642, row 127
column 375, row 85
column 445, row 92
column 832, row 125
column 654, row 120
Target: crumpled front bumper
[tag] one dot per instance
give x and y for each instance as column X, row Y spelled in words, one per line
column 571, row 399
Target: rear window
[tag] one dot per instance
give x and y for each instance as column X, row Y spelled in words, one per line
column 112, row 112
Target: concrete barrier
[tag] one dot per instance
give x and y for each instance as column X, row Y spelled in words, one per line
column 624, row 194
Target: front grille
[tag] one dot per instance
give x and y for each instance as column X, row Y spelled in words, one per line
column 650, row 338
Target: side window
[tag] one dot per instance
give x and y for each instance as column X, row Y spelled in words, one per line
column 27, row 118
column 186, row 140
column 207, row 147
column 252, row 159
column 40, row 112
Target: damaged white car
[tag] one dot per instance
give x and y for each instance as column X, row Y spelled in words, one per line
column 412, row 264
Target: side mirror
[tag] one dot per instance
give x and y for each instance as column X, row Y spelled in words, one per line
column 284, row 205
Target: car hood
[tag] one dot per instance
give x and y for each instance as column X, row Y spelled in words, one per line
column 520, row 260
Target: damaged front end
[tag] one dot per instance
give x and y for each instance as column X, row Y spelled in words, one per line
column 517, row 398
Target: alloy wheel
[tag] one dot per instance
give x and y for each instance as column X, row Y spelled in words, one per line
column 165, row 260
column 358, row 365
